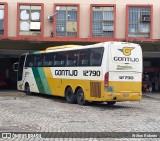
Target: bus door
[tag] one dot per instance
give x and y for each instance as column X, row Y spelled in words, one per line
column 20, row 76
column 125, row 67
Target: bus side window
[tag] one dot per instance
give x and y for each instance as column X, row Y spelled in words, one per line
column 50, row 63
column 94, row 61
column 48, row 59
column 96, row 57
column 72, row 57
column 70, row 62
column 84, row 57
column 84, row 62
column 39, row 60
column 62, row 63
column 30, row 64
column 60, row 59
column 30, row 61
column 45, row 64
column 57, row 63
column 39, row 64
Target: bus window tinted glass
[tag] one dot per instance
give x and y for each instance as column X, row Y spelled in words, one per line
column 96, row 56
column 30, row 61
column 39, row 60
column 48, row 59
column 72, row 58
column 60, row 59
column 84, row 57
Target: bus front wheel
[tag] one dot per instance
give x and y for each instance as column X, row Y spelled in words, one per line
column 80, row 97
column 111, row 103
column 27, row 89
column 70, row 96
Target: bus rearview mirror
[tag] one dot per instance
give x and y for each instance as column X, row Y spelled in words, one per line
column 15, row 66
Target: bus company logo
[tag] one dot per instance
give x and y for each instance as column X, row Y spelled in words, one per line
column 126, row 50
column 20, row 86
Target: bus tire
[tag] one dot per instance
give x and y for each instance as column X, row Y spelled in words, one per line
column 80, row 97
column 27, row 89
column 97, row 102
column 70, row 96
column 111, row 103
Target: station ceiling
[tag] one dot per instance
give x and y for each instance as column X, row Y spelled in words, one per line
column 13, row 49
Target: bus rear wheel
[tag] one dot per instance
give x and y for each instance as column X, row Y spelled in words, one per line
column 70, row 96
column 111, row 103
column 80, row 97
column 27, row 89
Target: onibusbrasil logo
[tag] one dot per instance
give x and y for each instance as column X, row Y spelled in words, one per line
column 126, row 50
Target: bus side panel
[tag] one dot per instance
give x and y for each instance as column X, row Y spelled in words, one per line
column 41, row 80
column 30, row 79
column 50, row 79
column 95, row 91
column 92, row 89
column 53, row 84
column 38, row 80
column 74, row 77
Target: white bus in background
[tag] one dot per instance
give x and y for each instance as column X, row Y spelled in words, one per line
column 105, row 72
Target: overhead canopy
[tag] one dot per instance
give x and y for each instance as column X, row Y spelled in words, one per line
column 13, row 48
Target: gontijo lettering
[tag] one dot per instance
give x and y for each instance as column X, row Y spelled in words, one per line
column 126, row 59
column 66, row 72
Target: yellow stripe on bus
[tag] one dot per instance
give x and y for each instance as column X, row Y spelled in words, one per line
column 49, row 78
column 43, row 51
column 61, row 47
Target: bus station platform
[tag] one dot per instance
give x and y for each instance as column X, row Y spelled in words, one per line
column 152, row 95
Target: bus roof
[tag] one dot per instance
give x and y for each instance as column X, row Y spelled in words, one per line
column 50, row 49
column 79, row 46
column 61, row 47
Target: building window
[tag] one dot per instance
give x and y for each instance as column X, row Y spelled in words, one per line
column 139, row 22
column 30, row 20
column 1, row 19
column 66, row 20
column 102, row 21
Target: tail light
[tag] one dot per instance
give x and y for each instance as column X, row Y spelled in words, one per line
column 106, row 79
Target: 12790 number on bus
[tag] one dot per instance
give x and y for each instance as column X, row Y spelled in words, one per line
column 91, row 73
column 126, row 77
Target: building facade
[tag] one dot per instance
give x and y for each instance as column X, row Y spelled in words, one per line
column 90, row 21
column 35, row 25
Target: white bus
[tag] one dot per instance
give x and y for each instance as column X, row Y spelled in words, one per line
column 105, row 72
